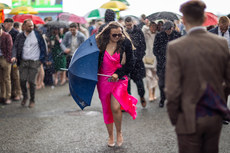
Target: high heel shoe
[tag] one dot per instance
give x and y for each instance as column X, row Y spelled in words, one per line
column 55, row 81
column 120, row 141
column 62, row 82
column 42, row 85
column 111, row 143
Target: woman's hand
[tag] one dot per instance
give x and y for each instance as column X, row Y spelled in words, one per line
column 114, row 77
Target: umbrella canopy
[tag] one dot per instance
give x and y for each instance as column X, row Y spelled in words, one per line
column 211, row 19
column 69, row 17
column 114, row 5
column 82, row 72
column 22, row 17
column 96, row 14
column 164, row 15
column 57, row 24
column 4, row 6
column 23, row 10
column 123, row 1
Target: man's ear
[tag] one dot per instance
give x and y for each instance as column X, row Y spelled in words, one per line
column 184, row 20
column 205, row 17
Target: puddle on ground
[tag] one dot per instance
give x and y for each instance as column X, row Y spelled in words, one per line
column 83, row 113
column 51, row 113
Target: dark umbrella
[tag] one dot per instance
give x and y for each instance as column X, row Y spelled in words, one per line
column 83, row 72
column 57, row 24
column 163, row 15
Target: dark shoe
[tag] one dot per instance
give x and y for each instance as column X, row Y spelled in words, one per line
column 32, row 104
column 143, row 102
column 225, row 122
column 161, row 103
column 23, row 103
column 2, row 100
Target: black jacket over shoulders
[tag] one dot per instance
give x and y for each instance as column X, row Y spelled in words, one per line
column 130, row 61
column 138, row 40
column 160, row 46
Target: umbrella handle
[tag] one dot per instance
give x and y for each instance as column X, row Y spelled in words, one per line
column 63, row 69
column 110, row 76
column 104, row 75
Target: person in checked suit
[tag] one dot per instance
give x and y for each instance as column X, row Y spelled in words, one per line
column 197, row 66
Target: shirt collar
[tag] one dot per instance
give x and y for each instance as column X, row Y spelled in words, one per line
column 196, row 28
column 219, row 32
column 29, row 33
column 75, row 34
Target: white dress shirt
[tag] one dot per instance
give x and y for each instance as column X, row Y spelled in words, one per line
column 226, row 35
column 31, row 50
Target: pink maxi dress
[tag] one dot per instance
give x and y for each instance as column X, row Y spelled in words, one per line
column 118, row 89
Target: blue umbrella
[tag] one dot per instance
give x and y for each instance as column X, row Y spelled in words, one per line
column 82, row 72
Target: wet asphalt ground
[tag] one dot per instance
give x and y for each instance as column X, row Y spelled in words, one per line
column 57, row 125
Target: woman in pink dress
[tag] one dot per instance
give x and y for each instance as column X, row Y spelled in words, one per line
column 115, row 60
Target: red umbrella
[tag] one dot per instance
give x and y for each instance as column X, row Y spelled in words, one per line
column 211, row 19
column 34, row 18
column 71, row 18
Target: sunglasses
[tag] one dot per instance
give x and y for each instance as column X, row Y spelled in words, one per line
column 117, row 35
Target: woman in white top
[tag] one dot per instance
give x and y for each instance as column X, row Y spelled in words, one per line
column 149, row 59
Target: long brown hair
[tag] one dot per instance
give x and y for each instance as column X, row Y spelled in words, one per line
column 104, row 36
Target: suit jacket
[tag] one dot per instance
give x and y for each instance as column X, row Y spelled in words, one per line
column 215, row 30
column 194, row 61
column 19, row 44
column 67, row 40
column 6, row 46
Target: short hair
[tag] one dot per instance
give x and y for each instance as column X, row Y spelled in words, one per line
column 120, row 19
column 193, row 11
column 7, row 20
column 143, row 16
column 128, row 19
column 16, row 25
column 160, row 22
column 224, row 20
column 73, row 25
column 49, row 18
column 152, row 23
column 26, row 20
column 109, row 15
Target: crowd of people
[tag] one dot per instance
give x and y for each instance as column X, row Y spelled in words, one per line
column 190, row 65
